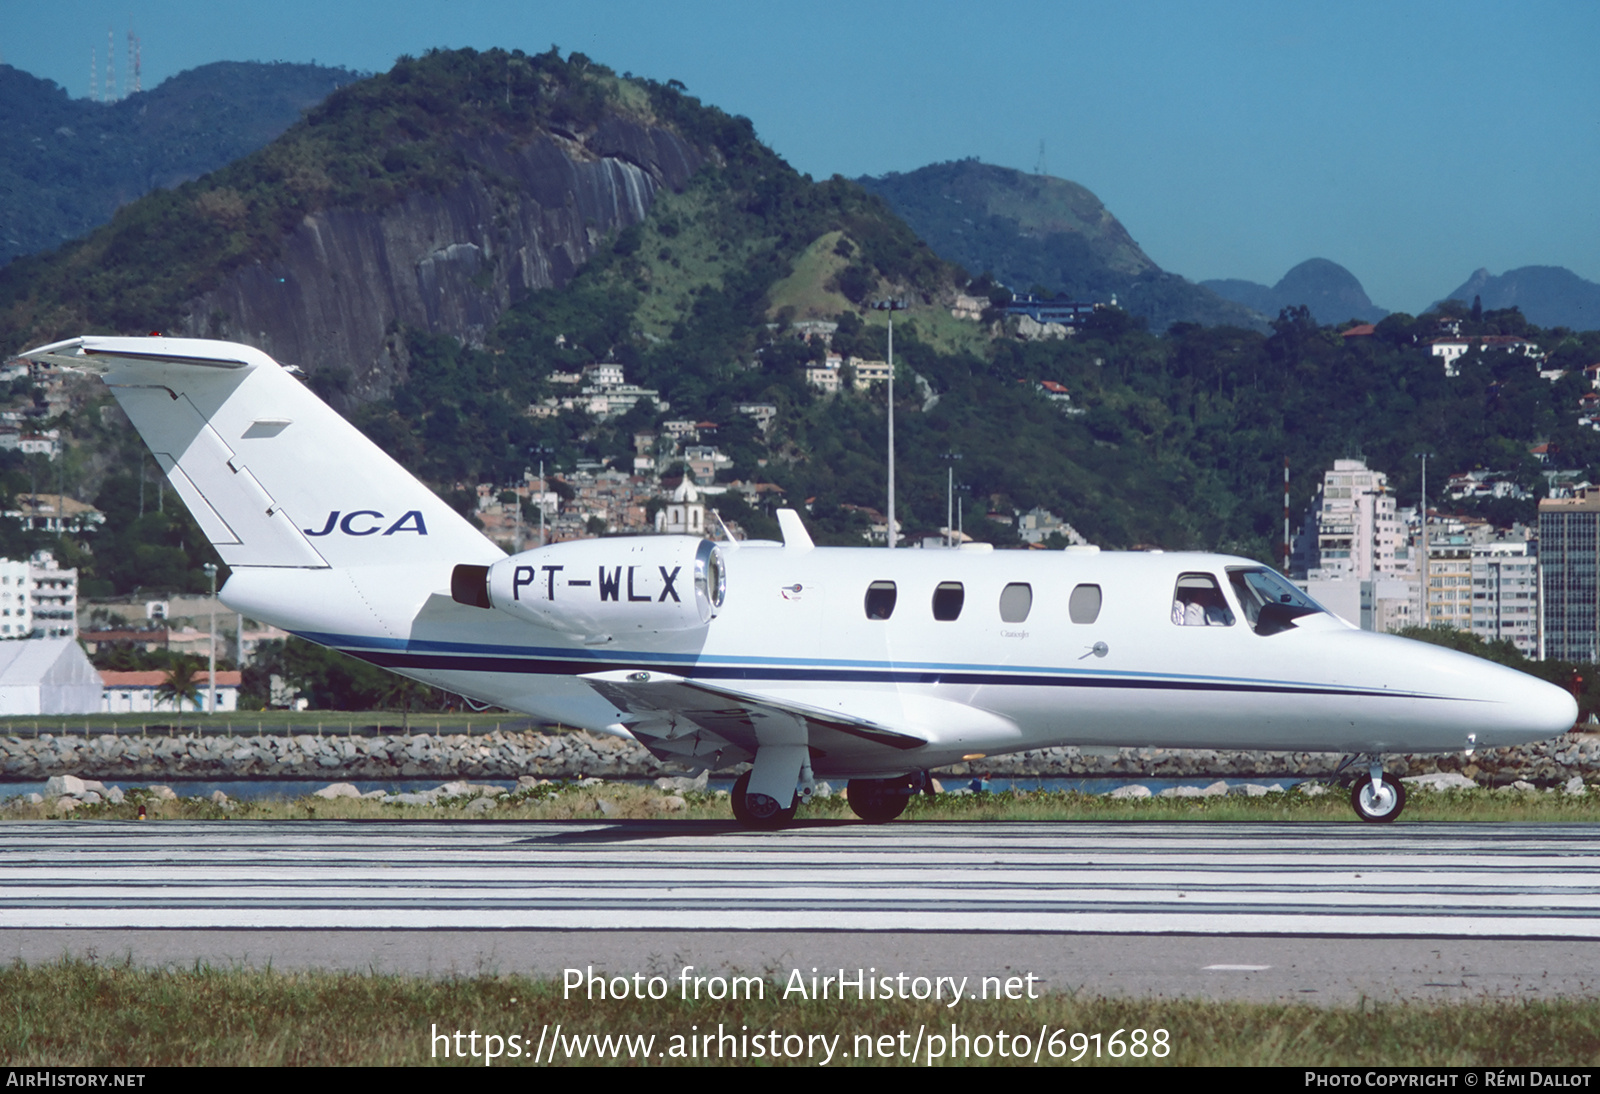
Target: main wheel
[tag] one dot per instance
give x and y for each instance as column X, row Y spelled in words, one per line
column 758, row 810
column 1378, row 808
column 878, row 801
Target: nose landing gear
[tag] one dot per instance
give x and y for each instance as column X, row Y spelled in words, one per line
column 1375, row 799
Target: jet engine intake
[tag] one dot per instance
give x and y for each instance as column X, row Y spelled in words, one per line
column 604, row 586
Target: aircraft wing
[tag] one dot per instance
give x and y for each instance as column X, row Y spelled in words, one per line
column 703, row 724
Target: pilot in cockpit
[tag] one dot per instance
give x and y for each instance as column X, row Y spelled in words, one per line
column 1198, row 602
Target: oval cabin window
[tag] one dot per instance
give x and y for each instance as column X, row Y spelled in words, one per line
column 947, row 601
column 1084, row 605
column 1016, row 601
column 880, row 600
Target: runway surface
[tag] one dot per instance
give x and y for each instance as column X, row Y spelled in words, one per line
column 1502, row 881
column 1331, row 912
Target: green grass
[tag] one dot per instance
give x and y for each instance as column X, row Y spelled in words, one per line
column 938, row 329
column 628, row 801
column 686, row 250
column 805, row 288
column 77, row 1013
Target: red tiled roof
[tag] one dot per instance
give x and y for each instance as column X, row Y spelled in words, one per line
column 154, row 678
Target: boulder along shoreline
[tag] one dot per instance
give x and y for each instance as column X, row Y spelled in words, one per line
column 574, row 755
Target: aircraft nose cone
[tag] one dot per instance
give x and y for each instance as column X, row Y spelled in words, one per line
column 1543, row 708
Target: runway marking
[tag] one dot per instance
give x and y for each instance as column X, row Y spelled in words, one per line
column 1491, row 880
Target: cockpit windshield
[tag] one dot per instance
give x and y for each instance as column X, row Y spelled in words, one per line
column 1270, row 601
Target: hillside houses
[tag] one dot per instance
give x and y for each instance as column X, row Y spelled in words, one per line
column 829, row 376
column 602, row 392
column 1450, row 350
column 56, row 514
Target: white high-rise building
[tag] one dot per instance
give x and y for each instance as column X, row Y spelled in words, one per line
column 1354, row 549
column 1505, row 594
column 1359, row 534
column 16, row 600
column 38, row 599
column 54, row 592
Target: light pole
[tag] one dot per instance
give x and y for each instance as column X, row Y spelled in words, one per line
column 950, row 499
column 542, row 450
column 211, row 677
column 1422, row 508
column 891, row 306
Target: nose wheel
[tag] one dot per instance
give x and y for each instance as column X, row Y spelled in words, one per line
column 1379, row 800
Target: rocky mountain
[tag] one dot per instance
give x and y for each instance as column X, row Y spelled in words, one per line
column 524, row 215
column 67, row 164
column 1032, row 231
column 1331, row 292
column 424, row 198
column 1550, row 296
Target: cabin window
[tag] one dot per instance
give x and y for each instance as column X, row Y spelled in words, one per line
column 947, row 601
column 1084, row 604
column 880, row 600
column 1016, row 601
column 1198, row 602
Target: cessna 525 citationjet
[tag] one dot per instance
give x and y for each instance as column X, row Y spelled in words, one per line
column 870, row 665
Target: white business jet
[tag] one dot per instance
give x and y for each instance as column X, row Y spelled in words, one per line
column 809, row 662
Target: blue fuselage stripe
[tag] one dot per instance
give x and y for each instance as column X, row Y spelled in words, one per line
column 455, row 657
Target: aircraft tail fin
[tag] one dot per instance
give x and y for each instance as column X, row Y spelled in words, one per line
column 273, row 476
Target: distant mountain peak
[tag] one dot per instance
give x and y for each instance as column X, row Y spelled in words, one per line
column 1331, row 292
column 1033, row 230
column 66, row 165
column 1550, row 296
column 1037, row 206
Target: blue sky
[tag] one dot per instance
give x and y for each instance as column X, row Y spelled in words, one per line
column 1410, row 142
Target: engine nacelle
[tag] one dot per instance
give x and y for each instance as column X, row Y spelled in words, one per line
column 599, row 587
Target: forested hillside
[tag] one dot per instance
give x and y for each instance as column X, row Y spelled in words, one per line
column 67, row 164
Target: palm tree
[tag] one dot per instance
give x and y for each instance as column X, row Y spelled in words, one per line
column 402, row 691
column 182, row 683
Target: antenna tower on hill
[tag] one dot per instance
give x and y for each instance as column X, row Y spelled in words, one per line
column 1039, row 168
column 133, row 59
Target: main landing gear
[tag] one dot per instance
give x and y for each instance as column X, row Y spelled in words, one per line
column 876, row 801
column 759, row 810
column 879, row 801
column 1375, row 799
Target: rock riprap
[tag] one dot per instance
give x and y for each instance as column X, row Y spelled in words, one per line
column 574, row 755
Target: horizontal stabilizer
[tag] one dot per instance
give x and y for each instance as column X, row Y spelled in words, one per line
column 99, row 355
column 273, row 476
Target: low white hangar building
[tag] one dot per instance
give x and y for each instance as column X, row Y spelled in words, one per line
column 47, row 676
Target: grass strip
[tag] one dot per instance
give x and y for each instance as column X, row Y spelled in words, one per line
column 631, row 801
column 78, row 1013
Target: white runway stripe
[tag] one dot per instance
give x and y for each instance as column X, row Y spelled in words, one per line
column 1534, row 881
